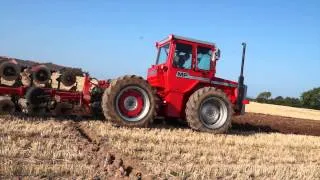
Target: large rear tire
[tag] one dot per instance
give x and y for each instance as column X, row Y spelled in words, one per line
column 209, row 110
column 130, row 101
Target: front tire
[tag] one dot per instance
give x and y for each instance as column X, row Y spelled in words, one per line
column 209, row 110
column 129, row 101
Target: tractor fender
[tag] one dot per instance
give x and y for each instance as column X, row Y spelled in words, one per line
column 177, row 100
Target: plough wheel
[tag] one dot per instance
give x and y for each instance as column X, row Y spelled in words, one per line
column 68, row 77
column 36, row 110
column 62, row 109
column 36, row 96
column 7, row 106
column 9, row 71
column 41, row 74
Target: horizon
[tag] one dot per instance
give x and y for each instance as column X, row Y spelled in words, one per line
column 109, row 39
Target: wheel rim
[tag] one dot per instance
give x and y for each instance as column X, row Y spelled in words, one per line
column 132, row 103
column 213, row 112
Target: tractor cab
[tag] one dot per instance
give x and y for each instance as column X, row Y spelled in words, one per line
column 180, row 59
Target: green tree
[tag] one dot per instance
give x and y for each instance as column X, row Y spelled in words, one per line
column 311, row 98
column 278, row 100
column 294, row 102
column 264, row 96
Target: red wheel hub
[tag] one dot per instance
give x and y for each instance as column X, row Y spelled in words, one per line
column 131, row 103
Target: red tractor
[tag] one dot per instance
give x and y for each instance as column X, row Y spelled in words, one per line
column 181, row 84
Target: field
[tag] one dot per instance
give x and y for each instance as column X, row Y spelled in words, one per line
column 283, row 111
column 275, row 118
column 259, row 146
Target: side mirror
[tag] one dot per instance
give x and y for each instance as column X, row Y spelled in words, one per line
column 217, row 54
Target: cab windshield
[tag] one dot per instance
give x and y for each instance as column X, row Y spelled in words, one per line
column 163, row 54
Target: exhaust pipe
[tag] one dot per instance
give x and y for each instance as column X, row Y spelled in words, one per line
column 241, row 87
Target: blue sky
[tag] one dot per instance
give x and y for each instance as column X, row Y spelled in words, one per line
column 112, row 38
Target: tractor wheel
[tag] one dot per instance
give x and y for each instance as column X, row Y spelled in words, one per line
column 35, row 96
column 41, row 74
column 130, row 101
column 7, row 106
column 62, row 109
column 9, row 71
column 209, row 110
column 68, row 77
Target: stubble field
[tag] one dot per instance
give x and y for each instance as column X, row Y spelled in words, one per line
column 259, row 146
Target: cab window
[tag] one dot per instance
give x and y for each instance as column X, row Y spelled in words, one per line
column 183, row 56
column 204, row 56
column 163, row 54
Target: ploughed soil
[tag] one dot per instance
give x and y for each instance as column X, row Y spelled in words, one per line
column 271, row 123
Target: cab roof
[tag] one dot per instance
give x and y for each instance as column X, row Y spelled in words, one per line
column 172, row 36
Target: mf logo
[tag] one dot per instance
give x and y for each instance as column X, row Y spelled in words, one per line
column 182, row 74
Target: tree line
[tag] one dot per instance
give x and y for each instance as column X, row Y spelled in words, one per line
column 308, row 99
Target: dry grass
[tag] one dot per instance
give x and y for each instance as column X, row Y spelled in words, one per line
column 183, row 153
column 54, row 149
column 283, row 111
column 42, row 149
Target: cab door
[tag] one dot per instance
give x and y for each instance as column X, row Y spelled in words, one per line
column 158, row 73
column 204, row 62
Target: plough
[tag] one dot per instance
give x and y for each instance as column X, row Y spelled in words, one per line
column 39, row 96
